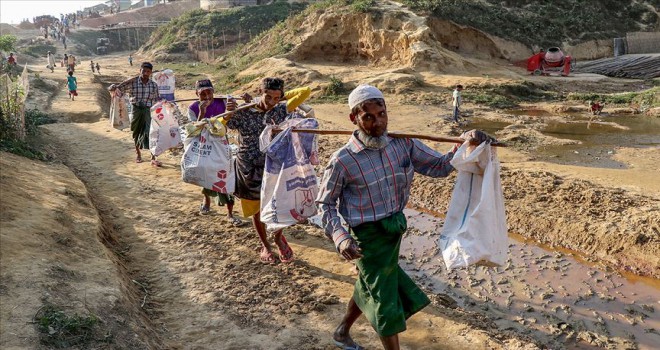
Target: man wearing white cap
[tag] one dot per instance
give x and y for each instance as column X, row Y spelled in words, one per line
column 368, row 182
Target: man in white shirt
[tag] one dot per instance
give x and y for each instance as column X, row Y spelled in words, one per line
column 456, row 101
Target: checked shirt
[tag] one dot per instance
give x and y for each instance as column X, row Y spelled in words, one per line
column 141, row 94
column 370, row 184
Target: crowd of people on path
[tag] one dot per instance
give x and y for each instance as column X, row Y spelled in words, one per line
column 366, row 183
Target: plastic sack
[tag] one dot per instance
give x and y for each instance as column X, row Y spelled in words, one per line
column 166, row 83
column 164, row 130
column 207, row 160
column 119, row 111
column 475, row 230
column 289, row 185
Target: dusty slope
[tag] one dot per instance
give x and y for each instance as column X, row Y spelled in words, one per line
column 51, row 254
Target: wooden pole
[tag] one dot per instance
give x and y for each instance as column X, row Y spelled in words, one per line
column 394, row 134
column 196, row 99
column 246, row 106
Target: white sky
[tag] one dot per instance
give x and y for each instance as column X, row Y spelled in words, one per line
column 13, row 11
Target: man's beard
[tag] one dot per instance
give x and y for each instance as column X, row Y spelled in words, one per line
column 372, row 142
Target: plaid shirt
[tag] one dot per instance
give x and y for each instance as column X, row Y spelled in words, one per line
column 146, row 94
column 373, row 184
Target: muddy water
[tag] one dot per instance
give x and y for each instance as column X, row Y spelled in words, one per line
column 599, row 136
column 554, row 296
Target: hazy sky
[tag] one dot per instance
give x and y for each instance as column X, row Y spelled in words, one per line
column 13, row 11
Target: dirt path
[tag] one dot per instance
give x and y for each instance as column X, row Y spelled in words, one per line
column 205, row 287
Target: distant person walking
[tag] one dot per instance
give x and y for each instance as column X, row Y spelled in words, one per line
column 143, row 94
column 72, row 84
column 130, row 60
column 11, row 60
column 71, row 63
column 65, row 61
column 91, row 64
column 456, row 101
column 51, row 61
column 98, row 68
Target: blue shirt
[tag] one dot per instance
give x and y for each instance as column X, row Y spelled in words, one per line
column 372, row 184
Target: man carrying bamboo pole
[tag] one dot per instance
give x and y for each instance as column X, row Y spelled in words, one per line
column 368, row 182
column 143, row 94
column 250, row 161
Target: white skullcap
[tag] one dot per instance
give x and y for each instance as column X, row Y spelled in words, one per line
column 362, row 93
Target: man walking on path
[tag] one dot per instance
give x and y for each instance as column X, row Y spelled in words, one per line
column 143, row 94
column 456, row 101
column 130, row 60
column 368, row 182
column 207, row 107
column 51, row 61
column 91, row 64
column 250, row 161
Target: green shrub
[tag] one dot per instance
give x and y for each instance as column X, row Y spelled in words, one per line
column 60, row 330
column 7, row 42
column 335, row 88
column 546, row 23
column 647, row 98
column 363, row 5
column 38, row 50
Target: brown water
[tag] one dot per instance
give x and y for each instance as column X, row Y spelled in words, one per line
column 599, row 136
column 552, row 294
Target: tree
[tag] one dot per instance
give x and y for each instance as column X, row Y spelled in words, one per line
column 7, row 42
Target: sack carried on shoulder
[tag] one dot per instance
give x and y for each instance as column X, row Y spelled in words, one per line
column 475, row 230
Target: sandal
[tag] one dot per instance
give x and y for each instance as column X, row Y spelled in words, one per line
column 204, row 210
column 156, row 163
column 236, row 222
column 266, row 257
column 286, row 254
column 138, row 160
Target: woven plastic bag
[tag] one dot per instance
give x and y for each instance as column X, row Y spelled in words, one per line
column 475, row 230
column 207, row 159
column 290, row 184
column 119, row 111
column 164, row 131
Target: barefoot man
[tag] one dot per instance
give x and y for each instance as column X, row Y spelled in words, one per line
column 368, row 182
column 143, row 94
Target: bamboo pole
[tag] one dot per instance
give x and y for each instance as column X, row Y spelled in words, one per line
column 197, row 99
column 245, row 106
column 394, row 134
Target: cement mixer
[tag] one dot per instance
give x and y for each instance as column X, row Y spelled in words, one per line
column 554, row 59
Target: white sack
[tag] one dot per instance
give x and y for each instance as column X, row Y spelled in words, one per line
column 164, row 131
column 206, row 162
column 475, row 230
column 119, row 111
column 289, row 184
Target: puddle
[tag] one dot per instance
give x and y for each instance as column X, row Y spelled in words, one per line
column 550, row 291
column 599, row 136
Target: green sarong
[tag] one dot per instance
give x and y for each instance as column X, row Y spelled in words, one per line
column 221, row 199
column 383, row 291
column 140, row 125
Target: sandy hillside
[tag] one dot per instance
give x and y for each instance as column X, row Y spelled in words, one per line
column 124, row 241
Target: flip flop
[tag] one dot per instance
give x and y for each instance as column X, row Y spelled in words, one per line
column 138, row 160
column 204, row 210
column 156, row 163
column 266, row 258
column 286, row 255
column 236, row 222
column 348, row 347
